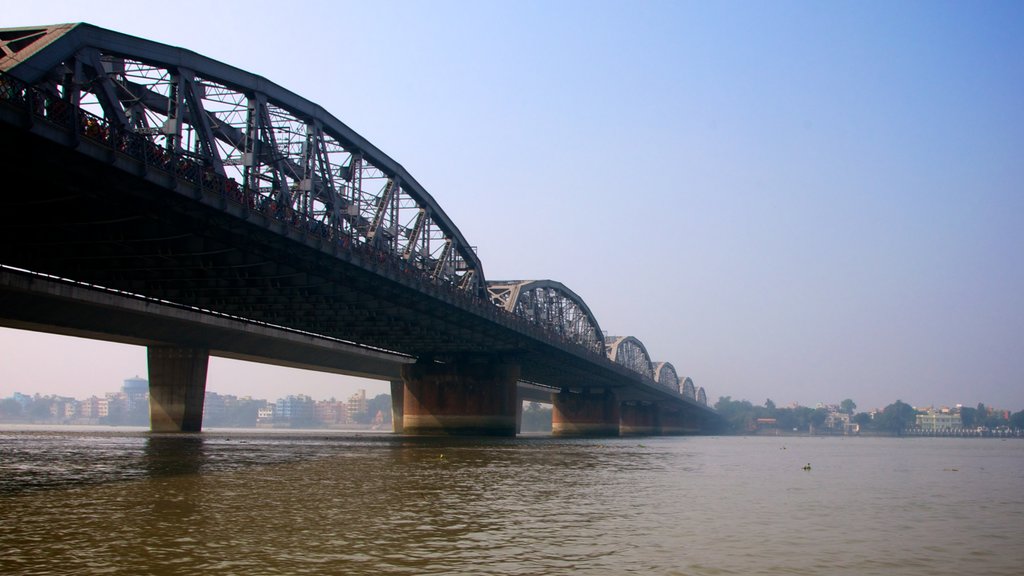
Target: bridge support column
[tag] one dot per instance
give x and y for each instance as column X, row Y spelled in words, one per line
column 590, row 412
column 397, row 407
column 177, row 388
column 692, row 422
column 462, row 398
column 638, row 419
column 671, row 421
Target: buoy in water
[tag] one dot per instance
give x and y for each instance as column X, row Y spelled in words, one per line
column 807, row 466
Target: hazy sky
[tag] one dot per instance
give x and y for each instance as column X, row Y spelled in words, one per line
column 802, row 201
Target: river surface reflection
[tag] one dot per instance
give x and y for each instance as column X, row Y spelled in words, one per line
column 230, row 502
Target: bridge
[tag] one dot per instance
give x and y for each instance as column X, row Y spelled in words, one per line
column 158, row 197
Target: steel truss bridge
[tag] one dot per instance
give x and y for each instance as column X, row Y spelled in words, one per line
column 162, row 176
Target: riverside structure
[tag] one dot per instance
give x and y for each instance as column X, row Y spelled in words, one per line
column 197, row 209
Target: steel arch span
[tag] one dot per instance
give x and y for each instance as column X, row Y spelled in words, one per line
column 552, row 306
column 272, row 149
column 665, row 375
column 687, row 389
column 702, row 397
column 631, row 353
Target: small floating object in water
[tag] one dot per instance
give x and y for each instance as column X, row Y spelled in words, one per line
column 441, row 457
column 807, row 466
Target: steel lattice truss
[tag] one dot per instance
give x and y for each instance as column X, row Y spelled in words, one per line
column 665, row 375
column 275, row 151
column 252, row 142
column 687, row 390
column 631, row 353
column 551, row 306
column 702, row 397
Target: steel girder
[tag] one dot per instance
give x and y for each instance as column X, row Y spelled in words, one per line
column 631, row 353
column 665, row 375
column 687, row 389
column 553, row 307
column 279, row 152
column 702, row 397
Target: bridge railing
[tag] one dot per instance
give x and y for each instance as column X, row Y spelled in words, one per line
column 79, row 123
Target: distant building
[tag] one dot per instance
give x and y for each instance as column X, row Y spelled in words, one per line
column 839, row 422
column 296, row 410
column 63, row 408
column 214, row 405
column 89, row 408
column 357, row 404
column 936, row 420
column 135, row 392
column 265, row 415
column 332, row 412
column 135, row 385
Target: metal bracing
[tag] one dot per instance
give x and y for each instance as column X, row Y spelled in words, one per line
column 702, row 397
column 175, row 178
column 665, row 375
column 687, row 389
column 287, row 156
column 631, row 353
column 551, row 306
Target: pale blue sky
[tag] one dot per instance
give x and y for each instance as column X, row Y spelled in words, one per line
column 802, row 201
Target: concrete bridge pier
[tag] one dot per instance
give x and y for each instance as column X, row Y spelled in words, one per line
column 672, row 421
column 471, row 398
column 586, row 412
column 397, row 406
column 638, row 419
column 177, row 388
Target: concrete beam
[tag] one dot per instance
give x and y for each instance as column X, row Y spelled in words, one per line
column 32, row 302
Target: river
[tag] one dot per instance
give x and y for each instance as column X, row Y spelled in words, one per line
column 90, row 501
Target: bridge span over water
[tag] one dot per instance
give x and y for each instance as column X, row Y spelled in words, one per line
column 158, row 197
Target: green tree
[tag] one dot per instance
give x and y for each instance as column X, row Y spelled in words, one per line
column 379, row 403
column 848, row 406
column 785, row 419
column 968, row 417
column 739, row 415
column 1017, row 420
column 817, row 419
column 896, row 418
column 863, row 419
column 802, row 418
column 769, row 405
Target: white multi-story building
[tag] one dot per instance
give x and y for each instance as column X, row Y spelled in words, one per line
column 942, row 419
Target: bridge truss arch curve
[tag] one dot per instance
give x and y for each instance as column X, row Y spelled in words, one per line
column 631, row 353
column 666, row 376
column 702, row 397
column 687, row 389
column 275, row 151
column 552, row 306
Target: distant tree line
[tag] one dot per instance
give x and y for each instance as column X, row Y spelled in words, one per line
column 742, row 417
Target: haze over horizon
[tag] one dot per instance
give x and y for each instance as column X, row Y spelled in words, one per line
column 797, row 201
